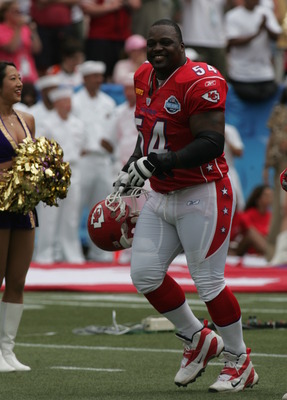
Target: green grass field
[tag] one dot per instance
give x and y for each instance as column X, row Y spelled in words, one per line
column 139, row 366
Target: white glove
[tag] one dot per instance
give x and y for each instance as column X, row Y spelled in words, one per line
column 122, row 182
column 139, row 171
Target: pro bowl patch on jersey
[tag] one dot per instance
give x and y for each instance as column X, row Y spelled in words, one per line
column 212, row 96
column 172, row 105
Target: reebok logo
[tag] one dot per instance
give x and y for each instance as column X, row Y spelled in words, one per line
column 192, row 202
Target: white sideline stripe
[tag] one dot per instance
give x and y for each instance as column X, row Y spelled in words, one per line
column 135, row 349
column 93, row 304
column 143, row 306
column 135, row 298
column 119, row 275
column 89, row 369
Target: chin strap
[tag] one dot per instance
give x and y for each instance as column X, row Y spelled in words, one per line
column 113, row 202
column 116, row 201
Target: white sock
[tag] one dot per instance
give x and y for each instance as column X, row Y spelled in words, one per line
column 232, row 336
column 184, row 320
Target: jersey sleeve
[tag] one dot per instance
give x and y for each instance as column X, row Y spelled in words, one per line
column 205, row 95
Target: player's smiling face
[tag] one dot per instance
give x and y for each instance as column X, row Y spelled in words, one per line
column 164, row 50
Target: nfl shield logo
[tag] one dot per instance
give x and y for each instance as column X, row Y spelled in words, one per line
column 148, row 101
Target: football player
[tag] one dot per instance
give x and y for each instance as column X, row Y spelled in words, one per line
column 180, row 116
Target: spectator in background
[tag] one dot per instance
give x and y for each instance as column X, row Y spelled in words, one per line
column 252, row 224
column 149, row 12
column 234, row 148
column 135, row 49
column 25, row 7
column 96, row 109
column 280, row 52
column 209, row 42
column 54, row 22
column 78, row 22
column 19, row 41
column 72, row 54
column 276, row 160
column 110, row 26
column 42, row 108
column 58, row 236
column 251, row 30
column 124, row 126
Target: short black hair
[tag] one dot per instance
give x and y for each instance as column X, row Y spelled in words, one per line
column 3, row 66
column 4, row 7
column 169, row 22
column 71, row 46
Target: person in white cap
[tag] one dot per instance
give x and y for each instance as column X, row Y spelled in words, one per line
column 135, row 49
column 96, row 109
column 58, row 237
column 42, row 108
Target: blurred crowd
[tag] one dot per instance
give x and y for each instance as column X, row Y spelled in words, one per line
column 77, row 59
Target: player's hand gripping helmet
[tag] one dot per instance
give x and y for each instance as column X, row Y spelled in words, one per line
column 111, row 222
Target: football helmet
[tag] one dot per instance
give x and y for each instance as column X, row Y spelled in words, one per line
column 111, row 222
column 283, row 179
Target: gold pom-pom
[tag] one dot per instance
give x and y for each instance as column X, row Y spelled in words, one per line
column 38, row 174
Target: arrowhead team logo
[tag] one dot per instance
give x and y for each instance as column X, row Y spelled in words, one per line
column 172, row 105
column 97, row 217
column 212, row 96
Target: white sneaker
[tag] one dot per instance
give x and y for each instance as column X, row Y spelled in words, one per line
column 202, row 347
column 15, row 364
column 284, row 397
column 4, row 366
column 237, row 374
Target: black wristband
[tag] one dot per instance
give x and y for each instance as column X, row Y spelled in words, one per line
column 164, row 162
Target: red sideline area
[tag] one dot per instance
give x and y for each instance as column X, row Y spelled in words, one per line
column 115, row 278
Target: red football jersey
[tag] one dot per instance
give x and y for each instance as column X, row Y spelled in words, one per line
column 162, row 117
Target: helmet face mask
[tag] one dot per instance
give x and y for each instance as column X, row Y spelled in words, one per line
column 111, row 222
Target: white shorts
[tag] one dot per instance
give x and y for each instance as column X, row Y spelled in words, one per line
column 195, row 220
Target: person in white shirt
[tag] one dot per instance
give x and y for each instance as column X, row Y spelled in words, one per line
column 43, row 106
column 58, row 236
column 234, row 147
column 203, row 30
column 124, row 123
column 250, row 29
column 96, row 109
